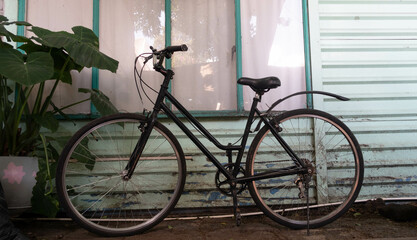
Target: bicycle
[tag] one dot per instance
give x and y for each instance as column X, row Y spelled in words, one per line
column 123, row 174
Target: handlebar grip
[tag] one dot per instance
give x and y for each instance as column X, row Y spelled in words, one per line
column 179, row 48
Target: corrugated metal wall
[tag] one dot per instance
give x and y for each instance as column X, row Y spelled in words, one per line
column 200, row 188
column 367, row 51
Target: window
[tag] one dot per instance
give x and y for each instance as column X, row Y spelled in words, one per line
column 58, row 15
column 205, row 75
column 271, row 45
column 127, row 29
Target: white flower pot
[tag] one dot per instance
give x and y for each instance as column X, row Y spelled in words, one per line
column 17, row 175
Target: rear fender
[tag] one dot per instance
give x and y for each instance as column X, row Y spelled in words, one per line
column 341, row 98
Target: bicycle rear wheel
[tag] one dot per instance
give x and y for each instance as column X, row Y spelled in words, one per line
column 90, row 169
column 325, row 143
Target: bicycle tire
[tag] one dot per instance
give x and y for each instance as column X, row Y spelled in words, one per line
column 321, row 140
column 89, row 176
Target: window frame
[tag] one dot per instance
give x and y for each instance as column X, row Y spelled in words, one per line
column 239, row 111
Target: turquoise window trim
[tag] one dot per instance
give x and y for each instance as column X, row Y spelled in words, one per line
column 168, row 29
column 21, row 16
column 307, row 56
column 95, row 71
column 238, row 39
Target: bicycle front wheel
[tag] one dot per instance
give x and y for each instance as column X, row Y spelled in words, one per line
column 327, row 145
column 90, row 173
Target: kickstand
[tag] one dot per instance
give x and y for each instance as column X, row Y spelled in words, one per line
column 236, row 210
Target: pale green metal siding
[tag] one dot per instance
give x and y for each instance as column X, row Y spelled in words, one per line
column 200, row 189
column 367, row 51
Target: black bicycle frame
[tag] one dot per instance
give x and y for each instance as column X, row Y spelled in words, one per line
column 159, row 104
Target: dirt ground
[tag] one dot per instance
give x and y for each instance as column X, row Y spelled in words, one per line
column 359, row 223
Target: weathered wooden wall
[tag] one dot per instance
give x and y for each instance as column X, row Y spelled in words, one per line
column 367, row 51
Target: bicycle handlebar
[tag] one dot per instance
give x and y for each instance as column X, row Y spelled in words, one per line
column 167, row 52
column 179, row 48
column 170, row 50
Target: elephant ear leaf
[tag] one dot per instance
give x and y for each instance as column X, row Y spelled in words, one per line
column 8, row 35
column 36, row 68
column 47, row 120
column 82, row 46
column 41, row 202
column 83, row 155
column 100, row 101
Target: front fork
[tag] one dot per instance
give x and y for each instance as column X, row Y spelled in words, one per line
column 146, row 129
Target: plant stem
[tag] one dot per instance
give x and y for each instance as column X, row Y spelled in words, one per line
column 3, row 115
column 48, row 171
column 18, row 115
column 49, row 98
column 76, row 103
column 38, row 101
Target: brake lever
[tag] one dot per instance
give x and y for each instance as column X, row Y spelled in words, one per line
column 147, row 59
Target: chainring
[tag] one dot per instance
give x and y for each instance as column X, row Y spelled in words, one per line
column 223, row 186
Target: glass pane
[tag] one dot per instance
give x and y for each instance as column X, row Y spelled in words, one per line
column 205, row 76
column 273, row 45
column 127, row 29
column 58, row 15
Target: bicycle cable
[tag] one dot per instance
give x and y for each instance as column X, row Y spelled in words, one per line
column 138, row 74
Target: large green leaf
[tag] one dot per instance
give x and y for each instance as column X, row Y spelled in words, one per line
column 47, row 120
column 82, row 46
column 38, row 67
column 85, row 35
column 61, row 60
column 4, row 21
column 31, row 47
column 5, row 45
column 10, row 36
column 100, row 101
column 42, row 203
column 45, row 205
column 83, row 155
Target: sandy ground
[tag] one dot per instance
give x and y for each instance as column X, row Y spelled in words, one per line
column 358, row 223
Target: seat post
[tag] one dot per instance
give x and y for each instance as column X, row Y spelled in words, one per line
column 256, row 100
column 258, row 95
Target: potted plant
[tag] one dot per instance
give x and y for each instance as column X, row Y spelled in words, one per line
column 28, row 122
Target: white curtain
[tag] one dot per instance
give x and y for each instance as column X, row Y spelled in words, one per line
column 58, row 15
column 272, row 39
column 128, row 28
column 1, row 7
column 205, row 76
